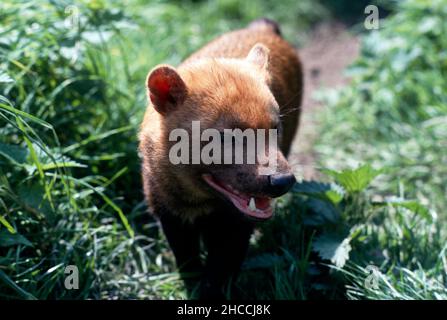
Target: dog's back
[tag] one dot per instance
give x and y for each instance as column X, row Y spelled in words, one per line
column 284, row 67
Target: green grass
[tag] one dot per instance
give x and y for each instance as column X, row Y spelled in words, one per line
column 393, row 117
column 70, row 190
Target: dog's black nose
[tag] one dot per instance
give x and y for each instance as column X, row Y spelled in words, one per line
column 281, row 183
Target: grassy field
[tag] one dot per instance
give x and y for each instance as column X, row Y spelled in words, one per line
column 72, row 96
column 393, row 116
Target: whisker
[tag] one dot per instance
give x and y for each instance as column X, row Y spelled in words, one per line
column 282, row 115
column 300, row 93
column 289, row 111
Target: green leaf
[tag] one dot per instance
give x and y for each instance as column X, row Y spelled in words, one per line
column 33, row 196
column 23, row 114
column 355, row 180
column 5, row 78
column 411, row 205
column 8, row 226
column 320, row 212
column 324, row 191
column 415, row 207
column 335, row 194
column 13, row 153
column 8, row 239
column 109, row 202
column 8, row 281
column 35, row 159
column 311, row 187
column 332, row 247
column 67, row 164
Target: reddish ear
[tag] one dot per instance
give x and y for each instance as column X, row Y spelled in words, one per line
column 166, row 89
column 259, row 55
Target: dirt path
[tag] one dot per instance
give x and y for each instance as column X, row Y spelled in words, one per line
column 329, row 50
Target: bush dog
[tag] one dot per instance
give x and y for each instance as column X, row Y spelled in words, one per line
column 249, row 78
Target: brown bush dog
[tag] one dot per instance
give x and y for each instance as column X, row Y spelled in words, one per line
column 250, row 78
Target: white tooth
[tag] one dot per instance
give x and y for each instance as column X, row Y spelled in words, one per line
column 252, row 204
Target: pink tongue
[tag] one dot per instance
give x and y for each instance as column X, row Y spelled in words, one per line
column 262, row 203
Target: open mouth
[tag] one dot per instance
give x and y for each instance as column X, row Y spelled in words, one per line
column 256, row 207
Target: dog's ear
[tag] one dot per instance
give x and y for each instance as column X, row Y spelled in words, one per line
column 259, row 56
column 166, row 89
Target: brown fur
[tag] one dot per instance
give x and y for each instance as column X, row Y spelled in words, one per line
column 223, row 90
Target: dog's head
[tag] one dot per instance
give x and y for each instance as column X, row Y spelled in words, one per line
column 221, row 129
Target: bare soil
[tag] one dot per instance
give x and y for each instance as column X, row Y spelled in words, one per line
column 327, row 53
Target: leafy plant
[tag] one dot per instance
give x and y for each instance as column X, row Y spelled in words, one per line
column 60, row 178
column 71, row 99
column 392, row 115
